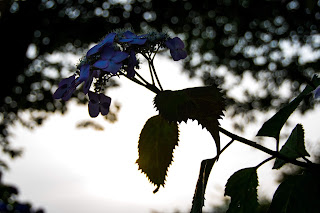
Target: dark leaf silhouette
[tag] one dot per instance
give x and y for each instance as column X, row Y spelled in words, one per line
column 273, row 126
column 297, row 194
column 204, row 104
column 242, row 188
column 158, row 139
column 294, row 147
column 198, row 198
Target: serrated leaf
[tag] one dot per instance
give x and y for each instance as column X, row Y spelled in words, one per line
column 297, row 194
column 242, row 188
column 157, row 141
column 204, row 104
column 198, row 198
column 273, row 126
column 294, row 147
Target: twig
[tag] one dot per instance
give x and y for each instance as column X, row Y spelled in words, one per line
column 155, row 74
column 269, row 151
column 265, row 161
column 146, row 85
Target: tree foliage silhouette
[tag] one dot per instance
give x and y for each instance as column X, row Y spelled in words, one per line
column 244, row 36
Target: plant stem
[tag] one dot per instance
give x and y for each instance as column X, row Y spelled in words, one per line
column 265, row 161
column 155, row 74
column 151, row 73
column 277, row 144
column 269, row 151
column 226, row 146
column 145, row 84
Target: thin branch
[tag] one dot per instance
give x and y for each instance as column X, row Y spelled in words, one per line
column 155, row 74
column 151, row 73
column 148, row 58
column 155, row 52
column 277, row 144
column 226, row 146
column 146, row 82
column 269, row 151
column 146, row 85
column 265, row 161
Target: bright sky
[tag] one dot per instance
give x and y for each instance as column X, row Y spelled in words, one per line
column 65, row 169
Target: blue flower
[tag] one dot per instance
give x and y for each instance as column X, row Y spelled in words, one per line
column 98, row 103
column 132, row 38
column 107, row 41
column 66, row 88
column 111, row 60
column 132, row 62
column 88, row 82
column 176, row 48
column 316, row 92
column 84, row 73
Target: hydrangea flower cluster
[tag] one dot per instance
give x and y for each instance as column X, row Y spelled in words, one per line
column 116, row 55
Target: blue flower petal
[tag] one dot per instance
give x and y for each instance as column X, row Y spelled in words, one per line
column 129, row 34
column 88, row 82
column 175, row 43
column 131, row 64
column 93, row 109
column 176, row 48
column 93, row 97
column 84, row 72
column 170, row 44
column 107, row 53
column 60, row 92
column 67, row 81
column 129, row 40
column 93, row 50
column 178, row 54
column 69, row 92
column 178, row 43
column 105, row 102
column 101, row 64
column 64, row 86
column 132, row 38
column 113, row 67
column 183, row 54
column 139, row 41
column 119, row 56
column 108, row 39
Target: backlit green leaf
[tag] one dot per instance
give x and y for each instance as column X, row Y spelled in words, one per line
column 204, row 104
column 297, row 194
column 242, row 188
column 273, row 126
column 198, row 198
column 157, row 141
column 294, row 147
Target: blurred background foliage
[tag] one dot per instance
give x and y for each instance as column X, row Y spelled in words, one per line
column 274, row 42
